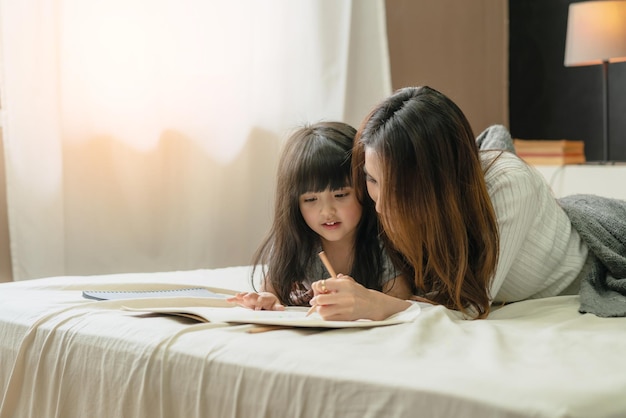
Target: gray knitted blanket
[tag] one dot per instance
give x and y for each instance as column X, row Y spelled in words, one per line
column 601, row 224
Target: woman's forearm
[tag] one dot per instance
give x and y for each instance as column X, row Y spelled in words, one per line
column 385, row 305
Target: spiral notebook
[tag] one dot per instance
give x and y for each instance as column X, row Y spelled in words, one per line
column 194, row 292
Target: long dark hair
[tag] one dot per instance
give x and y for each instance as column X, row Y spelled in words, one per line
column 435, row 209
column 314, row 158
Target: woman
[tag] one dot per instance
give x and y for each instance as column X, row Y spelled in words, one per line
column 468, row 227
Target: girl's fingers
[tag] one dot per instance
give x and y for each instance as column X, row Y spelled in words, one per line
column 237, row 298
column 269, row 302
column 257, row 301
column 244, row 299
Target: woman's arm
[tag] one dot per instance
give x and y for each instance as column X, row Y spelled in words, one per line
column 514, row 189
column 398, row 287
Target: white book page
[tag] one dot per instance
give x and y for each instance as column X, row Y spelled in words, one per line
column 292, row 316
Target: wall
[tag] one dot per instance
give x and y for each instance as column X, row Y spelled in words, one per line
column 458, row 47
column 5, row 253
column 594, row 179
column 551, row 101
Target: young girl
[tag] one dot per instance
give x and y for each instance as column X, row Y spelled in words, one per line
column 472, row 227
column 317, row 209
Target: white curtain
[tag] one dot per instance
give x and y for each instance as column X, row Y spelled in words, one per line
column 143, row 135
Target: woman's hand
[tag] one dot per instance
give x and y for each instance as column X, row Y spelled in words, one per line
column 258, row 301
column 343, row 299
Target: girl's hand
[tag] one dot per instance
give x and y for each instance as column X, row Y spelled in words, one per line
column 258, row 301
column 343, row 299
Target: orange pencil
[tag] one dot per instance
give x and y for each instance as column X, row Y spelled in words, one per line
column 330, row 269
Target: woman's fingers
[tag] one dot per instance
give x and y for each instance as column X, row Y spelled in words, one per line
column 340, row 301
column 336, row 311
column 346, row 277
column 331, row 285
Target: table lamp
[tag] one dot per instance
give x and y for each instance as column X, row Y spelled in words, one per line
column 596, row 34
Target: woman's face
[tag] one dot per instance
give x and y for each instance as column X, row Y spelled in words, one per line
column 373, row 175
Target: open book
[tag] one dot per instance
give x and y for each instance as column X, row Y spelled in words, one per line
column 291, row 317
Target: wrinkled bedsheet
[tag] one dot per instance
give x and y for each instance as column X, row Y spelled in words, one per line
column 65, row 356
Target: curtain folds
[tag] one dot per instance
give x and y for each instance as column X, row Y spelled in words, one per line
column 144, row 136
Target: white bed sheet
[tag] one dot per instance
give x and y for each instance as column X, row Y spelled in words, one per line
column 65, row 356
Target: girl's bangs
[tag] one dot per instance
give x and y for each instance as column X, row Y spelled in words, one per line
column 330, row 171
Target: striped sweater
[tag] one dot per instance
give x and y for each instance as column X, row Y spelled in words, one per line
column 541, row 254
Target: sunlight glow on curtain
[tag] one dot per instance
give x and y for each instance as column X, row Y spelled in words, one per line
column 144, row 135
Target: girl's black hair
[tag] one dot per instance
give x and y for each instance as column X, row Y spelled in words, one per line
column 314, row 158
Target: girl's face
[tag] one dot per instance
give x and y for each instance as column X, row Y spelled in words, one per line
column 373, row 175
column 333, row 215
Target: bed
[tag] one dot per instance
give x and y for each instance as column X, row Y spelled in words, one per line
column 62, row 355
